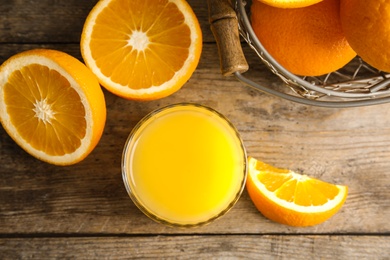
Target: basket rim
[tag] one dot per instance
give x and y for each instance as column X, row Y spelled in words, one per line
column 376, row 93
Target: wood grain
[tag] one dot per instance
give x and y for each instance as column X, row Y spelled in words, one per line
column 193, row 247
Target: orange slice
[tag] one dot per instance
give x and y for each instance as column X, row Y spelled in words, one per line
column 291, row 198
column 289, row 3
column 52, row 105
column 142, row 49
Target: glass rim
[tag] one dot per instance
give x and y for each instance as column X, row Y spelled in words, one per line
column 127, row 173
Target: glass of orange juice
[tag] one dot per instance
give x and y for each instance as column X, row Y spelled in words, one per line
column 184, row 165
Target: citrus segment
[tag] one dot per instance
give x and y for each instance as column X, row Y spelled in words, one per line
column 142, row 50
column 290, row 3
column 51, row 105
column 306, row 41
column 291, row 198
column 366, row 27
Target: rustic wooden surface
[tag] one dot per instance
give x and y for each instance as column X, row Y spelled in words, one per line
column 83, row 211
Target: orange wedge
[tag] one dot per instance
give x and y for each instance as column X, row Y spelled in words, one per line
column 52, row 105
column 290, row 198
column 142, row 49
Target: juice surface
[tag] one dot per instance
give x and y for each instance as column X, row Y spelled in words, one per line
column 186, row 165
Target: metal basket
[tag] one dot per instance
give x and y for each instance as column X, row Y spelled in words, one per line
column 356, row 84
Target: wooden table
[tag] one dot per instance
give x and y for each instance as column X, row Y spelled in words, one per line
column 83, row 211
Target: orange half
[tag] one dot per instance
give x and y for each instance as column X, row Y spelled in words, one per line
column 51, row 105
column 142, row 49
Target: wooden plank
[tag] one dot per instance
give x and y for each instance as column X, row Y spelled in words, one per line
column 43, row 21
column 204, row 247
column 346, row 146
column 61, row 21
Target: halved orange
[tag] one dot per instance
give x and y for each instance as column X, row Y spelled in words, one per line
column 290, row 198
column 51, row 105
column 142, row 49
column 289, row 3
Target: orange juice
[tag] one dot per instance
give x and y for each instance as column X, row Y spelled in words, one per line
column 184, row 165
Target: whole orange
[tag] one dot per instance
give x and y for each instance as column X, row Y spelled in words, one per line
column 366, row 25
column 307, row 41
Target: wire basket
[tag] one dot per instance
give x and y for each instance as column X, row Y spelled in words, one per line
column 356, row 84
